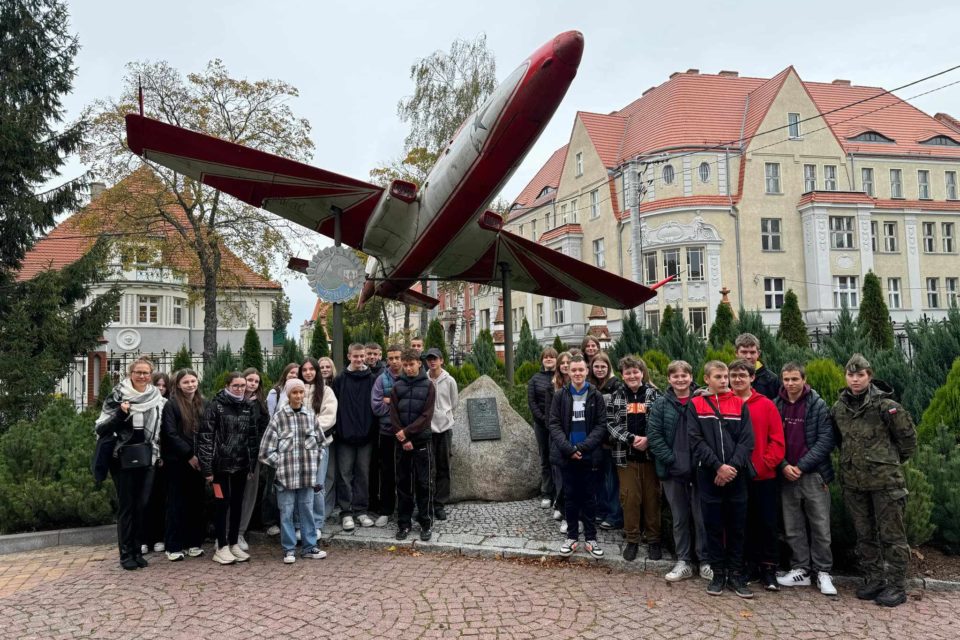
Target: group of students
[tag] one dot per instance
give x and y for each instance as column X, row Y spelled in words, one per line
column 372, row 439
column 730, row 457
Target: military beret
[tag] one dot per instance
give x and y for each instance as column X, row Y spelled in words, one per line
column 857, row 363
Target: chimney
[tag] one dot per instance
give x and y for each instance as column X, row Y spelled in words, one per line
column 693, row 72
column 729, row 74
column 674, row 74
column 841, row 83
column 96, row 190
column 648, row 91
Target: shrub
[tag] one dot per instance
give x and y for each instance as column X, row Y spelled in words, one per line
column 792, row 329
column 319, row 347
column 483, row 356
column 633, row 339
column 45, row 479
column 468, row 373
column 435, row 339
column 517, row 395
column 678, row 340
column 874, row 317
column 827, row 377
column 558, row 344
column 944, row 408
column 528, row 349
column 106, row 388
column 725, row 354
column 656, row 361
column 252, row 355
column 182, row 359
column 524, row 372
column 722, row 329
column 939, row 461
column 916, row 516
column 214, row 373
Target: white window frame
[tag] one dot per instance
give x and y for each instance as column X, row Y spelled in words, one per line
column 773, row 291
column 809, row 177
column 533, row 229
column 598, row 254
column 771, row 178
column 770, row 236
column 933, row 293
column 946, row 237
column 117, row 315
column 666, row 268
column 559, row 311
column 841, row 232
column 178, row 309
column 891, row 237
column 874, row 236
column 950, row 184
column 896, row 183
column 923, row 184
column 146, row 305
column 669, row 174
column 830, row 177
column 845, row 290
column 539, row 315
column 573, row 211
column 952, row 286
column 793, row 125
column 485, row 319
column 563, row 214
column 693, row 274
column 594, row 204
column 866, row 180
column 697, row 317
column 929, row 231
column 652, row 319
column 579, row 161
column 650, row 260
column 893, row 293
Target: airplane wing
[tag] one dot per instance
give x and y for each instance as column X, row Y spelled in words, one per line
column 538, row 269
column 293, row 190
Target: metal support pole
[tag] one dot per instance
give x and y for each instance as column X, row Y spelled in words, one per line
column 507, row 324
column 337, row 306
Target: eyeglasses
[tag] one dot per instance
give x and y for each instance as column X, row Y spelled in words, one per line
column 239, row 386
column 141, row 373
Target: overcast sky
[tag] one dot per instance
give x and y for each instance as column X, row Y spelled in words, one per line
column 351, row 60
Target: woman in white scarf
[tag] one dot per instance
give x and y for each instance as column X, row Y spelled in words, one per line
column 132, row 415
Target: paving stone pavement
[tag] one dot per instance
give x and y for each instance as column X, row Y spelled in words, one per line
column 81, row 592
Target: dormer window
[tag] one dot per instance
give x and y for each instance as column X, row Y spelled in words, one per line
column 547, row 189
column 871, row 136
column 942, row 141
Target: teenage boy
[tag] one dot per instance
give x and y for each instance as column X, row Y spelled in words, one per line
column 578, row 427
column 539, row 390
column 411, row 410
column 639, row 487
column 296, row 464
column 441, row 429
column 762, row 490
column 876, row 436
column 669, row 442
column 721, row 438
column 417, row 345
column 387, row 446
column 371, row 358
column 748, row 348
column 355, row 420
column 806, row 470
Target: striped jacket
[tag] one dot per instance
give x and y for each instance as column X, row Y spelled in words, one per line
column 292, row 445
column 623, row 403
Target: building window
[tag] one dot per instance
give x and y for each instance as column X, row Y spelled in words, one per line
column 115, row 316
column 671, row 263
column 890, row 242
column 830, row 177
column 650, row 267
column 598, row 257
column 953, row 289
column 594, row 204
column 704, row 171
column 946, row 236
column 845, row 292
column 546, row 221
column 923, row 184
column 559, row 315
column 896, row 183
column 698, row 322
column 793, row 125
column 579, row 163
column 772, row 175
column 563, row 214
column 653, row 321
column 518, row 316
column 893, row 293
column 929, row 237
column 773, row 293
column 770, row 234
column 950, row 177
column 841, row 232
column 874, row 241
column 695, row 272
column 933, row 293
column 178, row 312
column 485, row 319
column 866, row 181
column 809, row 177
column 539, row 315
column 668, row 174
column 533, row 229
column 148, row 309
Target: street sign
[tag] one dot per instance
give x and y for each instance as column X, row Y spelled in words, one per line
column 336, row 274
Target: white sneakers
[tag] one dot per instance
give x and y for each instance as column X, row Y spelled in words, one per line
column 223, row 556
column 347, row 523
column 242, row 543
column 174, row 556
column 315, row 554
column 365, row 520
column 545, row 503
column 144, row 549
column 795, row 578
column 381, row 521
column 557, row 515
column 681, row 571
column 289, row 557
column 194, row 552
column 159, row 547
column 273, row 530
column 825, row 583
column 706, row 572
column 239, row 554
column 593, row 548
column 563, row 527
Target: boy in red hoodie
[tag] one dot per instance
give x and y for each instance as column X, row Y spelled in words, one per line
column 721, row 439
column 768, row 451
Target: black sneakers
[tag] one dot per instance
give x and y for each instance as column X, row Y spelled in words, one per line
column 630, row 551
column 768, row 578
column 440, row 513
column 426, row 533
column 715, row 588
column 654, row 551
column 870, row 590
column 402, row 533
column 739, row 586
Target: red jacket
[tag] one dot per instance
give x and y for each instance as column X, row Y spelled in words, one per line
column 769, row 446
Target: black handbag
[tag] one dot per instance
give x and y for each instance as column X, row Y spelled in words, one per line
column 135, row 456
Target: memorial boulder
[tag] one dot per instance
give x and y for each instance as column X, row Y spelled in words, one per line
column 494, row 451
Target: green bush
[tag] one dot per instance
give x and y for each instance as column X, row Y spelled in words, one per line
column 182, row 359
column 939, row 461
column 721, row 331
column 517, row 395
column 528, row 349
column 214, row 373
column 827, row 378
column 657, row 361
column 944, row 408
column 524, row 372
column 725, row 354
column 468, row 373
column 484, row 356
column 252, row 355
column 916, row 517
column 45, row 479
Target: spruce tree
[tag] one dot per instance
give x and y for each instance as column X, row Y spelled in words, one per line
column 721, row 331
column 435, row 339
column 633, row 339
column 944, row 408
column 252, row 355
column 528, row 349
column 182, row 359
column 874, row 317
column 792, row 329
column 558, row 344
column 827, row 378
column 666, row 320
column 484, row 356
column 318, row 342
column 678, row 340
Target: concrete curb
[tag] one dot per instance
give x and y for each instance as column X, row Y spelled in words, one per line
column 465, row 545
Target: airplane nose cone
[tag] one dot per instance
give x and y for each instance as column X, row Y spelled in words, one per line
column 568, row 48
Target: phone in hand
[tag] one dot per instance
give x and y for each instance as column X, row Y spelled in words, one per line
column 217, row 491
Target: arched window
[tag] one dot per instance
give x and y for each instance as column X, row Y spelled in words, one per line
column 944, row 141
column 668, row 174
column 870, row 136
column 704, row 171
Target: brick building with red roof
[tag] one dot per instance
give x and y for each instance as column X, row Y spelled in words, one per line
column 756, row 184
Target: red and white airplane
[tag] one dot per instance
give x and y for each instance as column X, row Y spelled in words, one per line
column 442, row 229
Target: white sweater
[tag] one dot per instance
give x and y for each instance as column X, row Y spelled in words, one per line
column 447, row 399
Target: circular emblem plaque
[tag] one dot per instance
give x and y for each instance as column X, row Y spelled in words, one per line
column 128, row 339
column 336, row 274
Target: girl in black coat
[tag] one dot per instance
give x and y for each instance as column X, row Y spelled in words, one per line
column 538, row 390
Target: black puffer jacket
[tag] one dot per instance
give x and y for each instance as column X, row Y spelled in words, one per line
column 561, row 415
column 411, row 407
column 539, row 394
column 768, row 383
column 227, row 440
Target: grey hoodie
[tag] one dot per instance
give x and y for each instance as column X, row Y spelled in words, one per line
column 447, row 399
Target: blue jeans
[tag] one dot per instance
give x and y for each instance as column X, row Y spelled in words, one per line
column 320, row 499
column 289, row 501
column 608, row 491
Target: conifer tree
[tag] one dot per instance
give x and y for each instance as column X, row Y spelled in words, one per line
column 792, row 328
column 874, row 317
column 252, row 355
column 435, row 339
column 318, row 342
column 528, row 349
column 944, row 408
column 182, row 359
column 558, row 344
column 721, row 331
column 484, row 355
column 666, row 320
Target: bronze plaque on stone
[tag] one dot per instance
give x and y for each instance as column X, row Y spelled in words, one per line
column 483, row 418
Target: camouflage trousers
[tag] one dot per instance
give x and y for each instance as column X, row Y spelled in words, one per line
column 881, row 537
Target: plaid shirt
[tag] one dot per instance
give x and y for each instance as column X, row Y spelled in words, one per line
column 291, row 445
column 617, row 410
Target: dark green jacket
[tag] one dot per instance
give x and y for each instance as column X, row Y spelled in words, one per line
column 876, row 435
column 666, row 414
